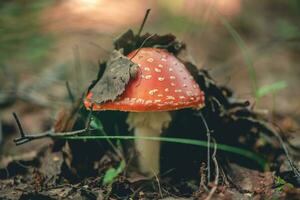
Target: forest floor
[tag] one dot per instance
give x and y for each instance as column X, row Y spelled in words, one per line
column 35, row 171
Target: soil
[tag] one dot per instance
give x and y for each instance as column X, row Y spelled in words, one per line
column 52, row 168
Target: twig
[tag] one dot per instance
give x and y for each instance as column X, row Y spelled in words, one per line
column 266, row 129
column 143, row 43
column 208, row 146
column 213, row 190
column 71, row 96
column 295, row 169
column 203, row 178
column 89, row 119
column 143, row 23
column 19, row 125
column 158, row 185
column 50, row 133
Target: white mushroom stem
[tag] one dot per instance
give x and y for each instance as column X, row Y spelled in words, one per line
column 150, row 124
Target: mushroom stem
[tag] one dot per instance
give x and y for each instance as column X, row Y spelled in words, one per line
column 148, row 124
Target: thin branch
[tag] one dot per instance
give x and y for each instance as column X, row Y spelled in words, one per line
column 89, row 119
column 19, row 125
column 268, row 130
column 158, row 185
column 143, row 43
column 144, row 21
column 203, row 178
column 208, row 146
column 213, row 190
column 294, row 168
column 47, row 134
column 71, row 96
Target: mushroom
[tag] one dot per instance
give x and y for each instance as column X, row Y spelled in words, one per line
column 162, row 84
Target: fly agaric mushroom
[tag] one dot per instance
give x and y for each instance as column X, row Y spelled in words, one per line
column 161, row 84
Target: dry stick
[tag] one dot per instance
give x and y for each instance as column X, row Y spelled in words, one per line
column 203, row 178
column 213, row 190
column 143, row 43
column 139, row 33
column 267, row 129
column 50, row 133
column 159, row 187
column 19, row 125
column 144, row 21
column 71, row 96
column 208, row 146
column 295, row 169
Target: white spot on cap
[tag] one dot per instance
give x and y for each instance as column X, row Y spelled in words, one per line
column 163, row 59
column 195, row 86
column 148, row 102
column 150, row 59
column 189, row 93
column 139, row 100
column 148, row 77
column 161, row 78
column 172, row 77
column 160, row 95
column 157, row 70
column 172, row 84
column 170, row 98
column 132, row 101
column 177, row 91
column 192, row 98
column 147, row 69
column 151, row 92
column 181, row 97
column 157, row 101
column 160, row 65
column 166, row 89
column 170, row 69
column 184, row 85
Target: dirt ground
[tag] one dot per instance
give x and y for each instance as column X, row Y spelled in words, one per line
column 76, row 35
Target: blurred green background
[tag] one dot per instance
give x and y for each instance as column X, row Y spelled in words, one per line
column 250, row 46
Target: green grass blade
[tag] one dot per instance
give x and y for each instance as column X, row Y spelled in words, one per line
column 243, row 152
column 247, row 58
column 112, row 173
column 272, row 88
column 97, row 124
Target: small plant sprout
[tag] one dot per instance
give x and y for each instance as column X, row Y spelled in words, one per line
column 162, row 84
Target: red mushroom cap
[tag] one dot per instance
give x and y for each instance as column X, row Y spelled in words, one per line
column 162, row 84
